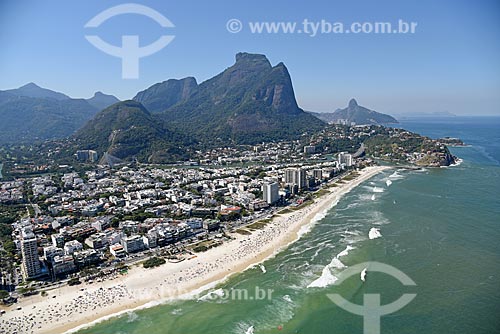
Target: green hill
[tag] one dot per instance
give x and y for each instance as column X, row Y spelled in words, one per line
column 32, row 113
column 27, row 119
column 127, row 129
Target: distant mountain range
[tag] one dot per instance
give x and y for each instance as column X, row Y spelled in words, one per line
column 30, row 113
column 101, row 100
column 355, row 113
column 33, row 90
column 247, row 103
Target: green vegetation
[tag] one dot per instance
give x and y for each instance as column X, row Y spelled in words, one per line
column 351, row 176
column 396, row 147
column 8, row 215
column 205, row 245
column 74, row 281
column 153, row 262
column 321, row 192
column 135, row 133
column 26, row 119
column 235, row 108
column 243, row 232
column 27, row 291
column 259, row 224
column 199, row 249
column 4, row 294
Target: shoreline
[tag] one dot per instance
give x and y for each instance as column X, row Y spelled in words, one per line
column 70, row 309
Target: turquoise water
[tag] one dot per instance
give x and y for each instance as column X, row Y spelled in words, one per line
column 439, row 226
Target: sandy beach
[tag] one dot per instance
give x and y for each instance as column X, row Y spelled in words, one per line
column 68, row 308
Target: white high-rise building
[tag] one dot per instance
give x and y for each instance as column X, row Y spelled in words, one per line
column 345, row 159
column 290, row 176
column 271, row 192
column 30, row 265
column 318, row 174
column 296, row 176
column 301, row 178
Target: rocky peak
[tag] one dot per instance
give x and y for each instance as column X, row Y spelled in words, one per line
column 163, row 95
column 353, row 103
column 252, row 60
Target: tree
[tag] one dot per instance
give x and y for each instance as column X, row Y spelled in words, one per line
column 74, row 281
column 4, row 294
column 153, row 262
column 9, row 246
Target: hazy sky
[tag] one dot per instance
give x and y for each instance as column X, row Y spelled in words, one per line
column 451, row 63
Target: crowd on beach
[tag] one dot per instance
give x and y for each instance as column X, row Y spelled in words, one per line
column 248, row 248
column 90, row 302
column 33, row 319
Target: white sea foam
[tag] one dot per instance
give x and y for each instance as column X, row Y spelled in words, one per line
column 353, row 238
column 345, row 251
column 192, row 295
column 457, row 163
column 353, row 204
column 327, row 278
column 363, row 275
column 378, row 218
column 324, row 280
column 421, row 170
column 287, row 298
column 378, row 190
column 177, row 311
column 373, row 197
column 212, row 295
column 319, row 216
column 374, row 233
column 304, row 230
column 351, row 233
column 132, row 316
column 396, row 175
column 261, row 266
column 308, row 227
column 388, row 182
column 336, row 263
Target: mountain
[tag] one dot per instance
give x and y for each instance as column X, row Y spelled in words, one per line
column 357, row 114
column 249, row 102
column 33, row 90
column 127, row 129
column 101, row 100
column 27, row 119
column 163, row 95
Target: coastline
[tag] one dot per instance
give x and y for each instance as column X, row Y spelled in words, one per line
column 69, row 309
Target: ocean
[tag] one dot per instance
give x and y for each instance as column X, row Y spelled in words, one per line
column 440, row 227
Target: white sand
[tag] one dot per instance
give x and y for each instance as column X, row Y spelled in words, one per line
column 73, row 308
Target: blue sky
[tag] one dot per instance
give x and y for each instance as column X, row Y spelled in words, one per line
column 451, row 63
